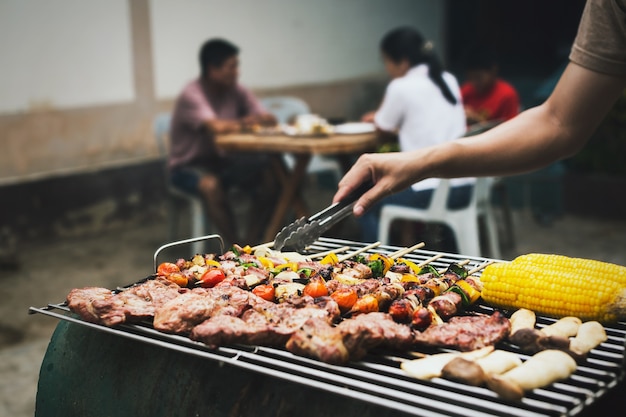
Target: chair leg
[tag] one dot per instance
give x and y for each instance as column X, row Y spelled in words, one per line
column 384, row 225
column 467, row 237
column 197, row 224
column 173, row 215
column 492, row 234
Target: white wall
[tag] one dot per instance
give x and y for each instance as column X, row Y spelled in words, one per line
column 64, row 54
column 283, row 42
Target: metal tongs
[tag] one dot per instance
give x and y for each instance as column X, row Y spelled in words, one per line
column 302, row 232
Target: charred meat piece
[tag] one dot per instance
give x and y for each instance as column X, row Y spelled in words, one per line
column 319, row 340
column 134, row 304
column 351, row 339
column 226, row 330
column 447, row 304
column 366, row 331
column 467, row 333
column 80, row 301
column 181, row 314
column 269, row 324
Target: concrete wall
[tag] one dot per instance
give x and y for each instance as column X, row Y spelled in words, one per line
column 83, row 80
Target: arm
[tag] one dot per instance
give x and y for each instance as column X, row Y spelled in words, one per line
column 558, row 128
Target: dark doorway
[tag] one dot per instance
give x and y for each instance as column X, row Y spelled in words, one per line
column 532, row 37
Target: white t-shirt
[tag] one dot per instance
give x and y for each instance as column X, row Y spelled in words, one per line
column 415, row 106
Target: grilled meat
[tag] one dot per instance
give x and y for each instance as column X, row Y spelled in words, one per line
column 318, row 339
column 467, row 333
column 181, row 314
column 137, row 303
column 80, row 301
column 351, row 339
column 268, row 323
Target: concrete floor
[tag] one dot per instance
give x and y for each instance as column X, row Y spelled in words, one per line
column 48, row 270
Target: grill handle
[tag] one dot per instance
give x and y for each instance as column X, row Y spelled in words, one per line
column 185, row 241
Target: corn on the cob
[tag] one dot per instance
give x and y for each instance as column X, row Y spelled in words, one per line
column 558, row 286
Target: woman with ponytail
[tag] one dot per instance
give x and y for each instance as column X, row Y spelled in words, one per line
column 422, row 106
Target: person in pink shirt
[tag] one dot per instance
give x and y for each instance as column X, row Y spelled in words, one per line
column 215, row 103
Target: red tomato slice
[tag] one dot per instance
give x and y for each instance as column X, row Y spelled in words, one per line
column 167, row 268
column 212, row 277
column 264, row 291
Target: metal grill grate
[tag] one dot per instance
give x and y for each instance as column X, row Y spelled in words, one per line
column 378, row 378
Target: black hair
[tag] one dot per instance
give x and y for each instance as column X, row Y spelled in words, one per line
column 480, row 58
column 407, row 43
column 215, row 52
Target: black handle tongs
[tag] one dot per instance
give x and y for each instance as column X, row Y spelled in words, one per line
column 302, row 232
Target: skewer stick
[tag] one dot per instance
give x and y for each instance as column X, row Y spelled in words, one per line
column 404, row 251
column 264, row 245
column 366, row 248
column 429, row 260
column 322, row 254
column 479, row 267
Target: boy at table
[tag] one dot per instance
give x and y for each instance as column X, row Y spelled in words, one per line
column 213, row 104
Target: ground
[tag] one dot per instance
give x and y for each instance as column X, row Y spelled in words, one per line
column 48, row 269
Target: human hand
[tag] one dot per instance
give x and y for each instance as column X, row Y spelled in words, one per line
column 368, row 117
column 390, row 173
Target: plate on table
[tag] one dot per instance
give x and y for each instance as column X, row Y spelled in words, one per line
column 354, row 128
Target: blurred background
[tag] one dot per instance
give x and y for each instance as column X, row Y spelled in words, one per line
column 82, row 180
column 83, row 81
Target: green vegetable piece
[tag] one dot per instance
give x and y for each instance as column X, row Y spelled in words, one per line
column 457, row 270
column 429, row 269
column 377, row 268
column 465, row 299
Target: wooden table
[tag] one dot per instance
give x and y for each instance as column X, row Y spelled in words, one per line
column 342, row 146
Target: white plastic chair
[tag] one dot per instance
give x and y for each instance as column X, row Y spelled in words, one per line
column 464, row 222
column 176, row 196
column 285, row 108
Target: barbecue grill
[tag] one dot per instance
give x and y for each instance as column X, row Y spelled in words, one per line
column 374, row 385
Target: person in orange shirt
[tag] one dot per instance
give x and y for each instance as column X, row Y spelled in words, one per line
column 487, row 97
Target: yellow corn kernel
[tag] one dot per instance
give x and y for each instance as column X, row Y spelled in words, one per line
column 558, row 286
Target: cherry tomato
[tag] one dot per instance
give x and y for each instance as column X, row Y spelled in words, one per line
column 367, row 304
column 167, row 268
column 212, row 277
column 345, row 298
column 178, row 279
column 265, row 291
column 315, row 289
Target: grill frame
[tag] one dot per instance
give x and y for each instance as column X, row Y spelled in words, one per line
column 378, row 378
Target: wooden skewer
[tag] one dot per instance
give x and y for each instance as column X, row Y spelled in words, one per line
column 322, row 254
column 479, row 267
column 404, row 251
column 366, row 248
column 429, row 260
column 264, row 245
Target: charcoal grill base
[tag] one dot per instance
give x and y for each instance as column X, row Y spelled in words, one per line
column 89, row 373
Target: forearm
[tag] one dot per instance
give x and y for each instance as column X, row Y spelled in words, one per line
column 557, row 129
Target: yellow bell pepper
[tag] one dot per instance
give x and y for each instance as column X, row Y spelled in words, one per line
column 387, row 261
column 266, row 262
column 330, row 259
column 213, row 262
column 413, row 266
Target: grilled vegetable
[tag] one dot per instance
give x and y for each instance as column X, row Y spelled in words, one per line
column 211, row 278
column 590, row 334
column 345, row 298
column 366, row 304
column 265, row 291
column 540, row 370
column 167, row 268
column 316, row 289
column 558, row 286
